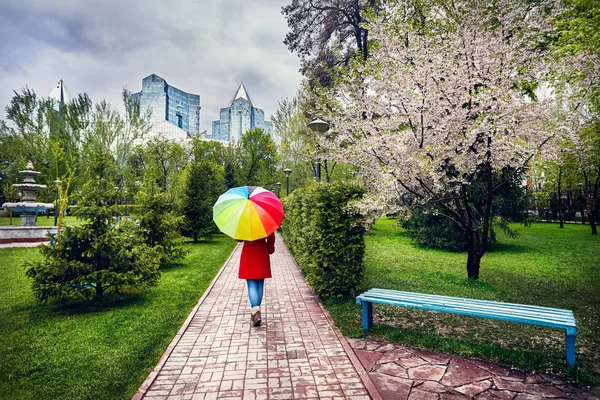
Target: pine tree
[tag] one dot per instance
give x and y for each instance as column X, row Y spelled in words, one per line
column 205, row 183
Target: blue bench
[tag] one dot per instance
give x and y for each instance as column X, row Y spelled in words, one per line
column 535, row 315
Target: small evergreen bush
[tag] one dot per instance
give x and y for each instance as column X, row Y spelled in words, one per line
column 325, row 233
column 205, row 183
column 93, row 259
column 429, row 227
column 431, row 230
column 158, row 223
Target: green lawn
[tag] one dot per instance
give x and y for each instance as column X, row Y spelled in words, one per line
column 545, row 266
column 41, row 221
column 102, row 352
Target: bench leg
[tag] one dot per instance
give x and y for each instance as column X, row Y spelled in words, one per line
column 570, row 339
column 367, row 316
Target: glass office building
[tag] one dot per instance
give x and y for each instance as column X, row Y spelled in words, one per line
column 238, row 117
column 168, row 103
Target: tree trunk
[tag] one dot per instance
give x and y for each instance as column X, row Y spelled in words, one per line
column 594, row 203
column 473, row 263
column 474, row 253
column 593, row 217
column 99, row 292
column 560, row 213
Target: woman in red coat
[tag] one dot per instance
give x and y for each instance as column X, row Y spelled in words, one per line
column 255, row 267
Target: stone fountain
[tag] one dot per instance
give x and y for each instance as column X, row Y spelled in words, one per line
column 28, row 207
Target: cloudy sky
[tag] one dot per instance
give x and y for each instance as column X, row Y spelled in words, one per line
column 205, row 47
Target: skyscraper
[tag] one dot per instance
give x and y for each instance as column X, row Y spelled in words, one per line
column 168, row 103
column 238, row 117
column 60, row 94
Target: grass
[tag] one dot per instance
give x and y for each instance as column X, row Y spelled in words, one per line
column 544, row 266
column 41, row 221
column 70, row 351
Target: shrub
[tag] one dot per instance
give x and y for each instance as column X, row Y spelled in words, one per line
column 158, row 224
column 90, row 260
column 428, row 229
column 325, row 232
column 205, row 182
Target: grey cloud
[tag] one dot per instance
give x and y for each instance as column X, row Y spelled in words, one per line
column 206, row 47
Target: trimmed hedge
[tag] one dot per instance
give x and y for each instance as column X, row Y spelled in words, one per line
column 324, row 232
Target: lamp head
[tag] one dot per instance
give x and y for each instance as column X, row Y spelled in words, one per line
column 318, row 125
column 287, row 172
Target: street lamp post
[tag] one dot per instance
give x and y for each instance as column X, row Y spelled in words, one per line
column 278, row 184
column 318, row 126
column 58, row 183
column 287, row 172
column 116, row 195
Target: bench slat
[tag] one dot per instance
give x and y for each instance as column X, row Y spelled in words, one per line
column 557, row 314
column 485, row 307
column 470, row 312
column 516, row 306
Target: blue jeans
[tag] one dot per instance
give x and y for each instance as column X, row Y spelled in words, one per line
column 255, row 291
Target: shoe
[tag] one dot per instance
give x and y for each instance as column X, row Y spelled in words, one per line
column 256, row 320
column 255, row 316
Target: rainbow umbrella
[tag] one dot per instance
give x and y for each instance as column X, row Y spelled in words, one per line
column 248, row 213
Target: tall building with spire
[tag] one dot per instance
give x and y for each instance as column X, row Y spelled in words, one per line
column 175, row 113
column 60, row 94
column 240, row 115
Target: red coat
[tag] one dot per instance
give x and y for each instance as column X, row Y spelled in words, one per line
column 255, row 262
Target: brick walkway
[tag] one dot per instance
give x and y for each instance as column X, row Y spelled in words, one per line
column 296, row 353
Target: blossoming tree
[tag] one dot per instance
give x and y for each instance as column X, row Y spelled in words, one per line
column 577, row 46
column 436, row 115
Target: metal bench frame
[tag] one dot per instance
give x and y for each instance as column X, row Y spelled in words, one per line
column 544, row 316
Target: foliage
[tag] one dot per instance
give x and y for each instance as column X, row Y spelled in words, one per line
column 427, row 227
column 227, row 156
column 63, row 138
column 432, row 230
column 161, row 159
column 584, row 147
column 299, row 148
column 98, row 160
column 427, row 116
column 578, row 47
column 93, row 259
column 25, row 139
column 258, row 157
column 577, row 84
column 205, row 183
column 558, row 178
column 158, row 224
column 296, row 146
column 325, row 232
column 326, row 34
